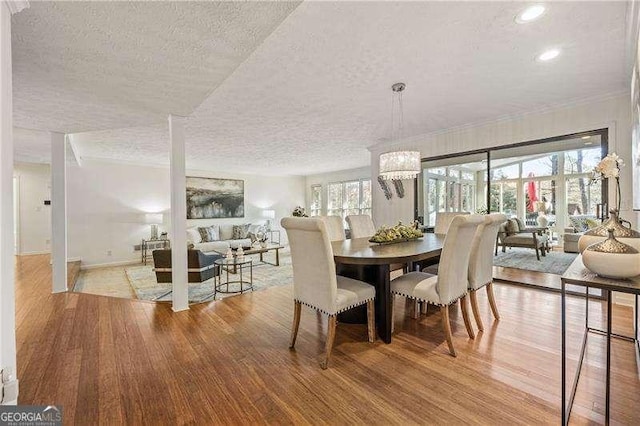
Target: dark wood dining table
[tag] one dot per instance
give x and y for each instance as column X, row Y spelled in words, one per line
column 370, row 262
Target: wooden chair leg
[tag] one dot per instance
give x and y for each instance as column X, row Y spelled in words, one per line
column 476, row 309
column 447, row 329
column 423, row 308
column 415, row 309
column 331, row 335
column 465, row 316
column 297, row 307
column 537, row 253
column 492, row 301
column 371, row 320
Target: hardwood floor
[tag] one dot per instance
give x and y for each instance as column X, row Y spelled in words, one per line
column 110, row 360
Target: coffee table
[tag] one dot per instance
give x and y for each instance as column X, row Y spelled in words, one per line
column 258, row 250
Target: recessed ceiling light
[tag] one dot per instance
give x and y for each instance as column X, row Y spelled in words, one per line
column 530, row 14
column 548, row 55
column 588, row 143
column 586, row 137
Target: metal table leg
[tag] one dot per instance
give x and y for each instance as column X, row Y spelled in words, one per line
column 608, row 391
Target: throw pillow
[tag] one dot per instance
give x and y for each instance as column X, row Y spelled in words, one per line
column 512, row 226
column 214, row 233
column 521, row 226
column 240, row 231
column 193, row 235
column 204, row 233
column 502, row 232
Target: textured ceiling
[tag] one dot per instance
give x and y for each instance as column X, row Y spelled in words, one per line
column 316, row 93
column 92, row 65
column 34, row 146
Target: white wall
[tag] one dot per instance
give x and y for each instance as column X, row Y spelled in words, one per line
column 613, row 113
column 106, row 203
column 326, row 178
column 34, row 218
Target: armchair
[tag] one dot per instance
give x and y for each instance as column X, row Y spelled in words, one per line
column 513, row 233
column 200, row 266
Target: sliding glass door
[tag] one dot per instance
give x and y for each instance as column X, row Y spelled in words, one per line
column 451, row 185
column 545, row 182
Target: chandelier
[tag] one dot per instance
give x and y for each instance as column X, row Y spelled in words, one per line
column 399, row 164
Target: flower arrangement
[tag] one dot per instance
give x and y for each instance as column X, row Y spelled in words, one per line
column 299, row 211
column 396, row 234
column 262, row 237
column 609, row 168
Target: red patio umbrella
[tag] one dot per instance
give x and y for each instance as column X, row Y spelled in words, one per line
column 533, row 196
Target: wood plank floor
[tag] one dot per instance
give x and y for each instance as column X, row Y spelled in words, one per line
column 114, row 361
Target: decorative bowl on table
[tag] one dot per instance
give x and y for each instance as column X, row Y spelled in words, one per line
column 396, row 234
column 612, row 258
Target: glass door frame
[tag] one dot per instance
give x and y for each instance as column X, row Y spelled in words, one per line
column 604, row 149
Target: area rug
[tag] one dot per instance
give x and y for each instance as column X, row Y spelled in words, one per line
column 143, row 280
column 555, row 262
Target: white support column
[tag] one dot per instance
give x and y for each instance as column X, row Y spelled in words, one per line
column 179, row 276
column 7, row 284
column 59, row 212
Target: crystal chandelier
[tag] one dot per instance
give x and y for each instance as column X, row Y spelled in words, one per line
column 399, row 164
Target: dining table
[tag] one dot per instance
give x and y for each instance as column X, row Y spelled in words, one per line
column 371, row 262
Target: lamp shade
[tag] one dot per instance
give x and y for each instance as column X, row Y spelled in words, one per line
column 400, row 165
column 269, row 214
column 153, row 218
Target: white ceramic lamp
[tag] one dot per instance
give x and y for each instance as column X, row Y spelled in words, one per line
column 269, row 215
column 153, row 219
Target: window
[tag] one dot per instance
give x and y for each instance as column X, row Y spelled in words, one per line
column 451, row 188
column 542, row 166
column 504, row 198
column 316, row 200
column 581, row 160
column 349, row 198
column 507, row 172
column 334, row 199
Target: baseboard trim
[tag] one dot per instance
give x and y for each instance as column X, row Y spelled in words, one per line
column 110, row 264
column 33, row 253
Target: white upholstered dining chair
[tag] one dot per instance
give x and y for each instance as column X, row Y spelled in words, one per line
column 481, row 264
column 335, row 227
column 443, row 220
column 315, row 283
column 361, row 226
column 451, row 283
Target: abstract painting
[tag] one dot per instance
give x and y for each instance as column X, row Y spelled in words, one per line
column 210, row 198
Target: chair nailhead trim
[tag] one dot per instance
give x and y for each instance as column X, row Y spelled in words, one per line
column 432, row 303
column 335, row 313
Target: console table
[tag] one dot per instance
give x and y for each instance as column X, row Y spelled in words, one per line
column 148, row 246
column 578, row 274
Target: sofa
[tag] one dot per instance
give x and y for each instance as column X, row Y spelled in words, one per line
column 219, row 238
column 578, row 225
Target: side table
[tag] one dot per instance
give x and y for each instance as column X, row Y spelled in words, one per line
column 148, row 246
column 239, row 285
column 578, row 274
column 272, row 233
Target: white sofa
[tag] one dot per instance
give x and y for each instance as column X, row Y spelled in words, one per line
column 222, row 245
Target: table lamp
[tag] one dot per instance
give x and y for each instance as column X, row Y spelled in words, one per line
column 269, row 215
column 153, row 219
